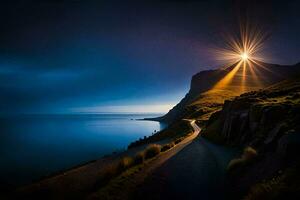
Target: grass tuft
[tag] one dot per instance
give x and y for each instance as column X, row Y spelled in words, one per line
column 167, row 146
column 282, row 186
column 178, row 140
column 125, row 163
column 249, row 154
column 139, row 158
column 247, row 157
column 152, row 150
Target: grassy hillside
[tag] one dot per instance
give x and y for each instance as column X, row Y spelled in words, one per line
column 209, row 89
column 275, row 101
column 267, row 124
column 176, row 130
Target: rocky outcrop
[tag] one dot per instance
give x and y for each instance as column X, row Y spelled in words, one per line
column 244, row 121
column 267, row 120
column 200, row 83
column 205, row 80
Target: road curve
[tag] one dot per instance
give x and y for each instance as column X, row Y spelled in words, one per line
column 196, row 172
column 196, row 128
column 129, row 187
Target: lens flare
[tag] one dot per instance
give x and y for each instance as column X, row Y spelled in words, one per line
column 244, row 45
column 242, row 55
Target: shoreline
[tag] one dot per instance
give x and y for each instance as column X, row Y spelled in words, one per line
column 64, row 171
column 28, row 177
column 100, row 162
column 86, row 175
column 157, row 119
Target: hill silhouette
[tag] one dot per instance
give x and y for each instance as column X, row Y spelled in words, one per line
column 209, row 89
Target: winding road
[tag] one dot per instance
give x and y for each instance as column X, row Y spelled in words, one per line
column 193, row 169
column 196, row 172
column 196, row 128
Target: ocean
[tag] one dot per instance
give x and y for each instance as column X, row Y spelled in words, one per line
column 34, row 146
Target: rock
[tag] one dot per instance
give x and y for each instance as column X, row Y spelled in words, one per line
column 289, row 146
column 282, row 145
column 273, row 133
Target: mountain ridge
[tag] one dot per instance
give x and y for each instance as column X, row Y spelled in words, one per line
column 204, row 81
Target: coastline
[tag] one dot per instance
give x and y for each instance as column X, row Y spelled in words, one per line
column 79, row 180
column 86, row 174
column 76, row 139
column 156, row 119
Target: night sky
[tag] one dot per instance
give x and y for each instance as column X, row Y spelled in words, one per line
column 80, row 56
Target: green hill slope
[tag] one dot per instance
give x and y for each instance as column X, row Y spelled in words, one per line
column 267, row 124
column 209, row 89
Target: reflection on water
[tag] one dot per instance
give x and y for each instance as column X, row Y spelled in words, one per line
column 35, row 146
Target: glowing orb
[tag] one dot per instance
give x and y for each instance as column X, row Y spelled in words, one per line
column 245, row 45
column 244, row 56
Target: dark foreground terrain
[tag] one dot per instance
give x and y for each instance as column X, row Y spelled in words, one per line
column 247, row 148
column 266, row 124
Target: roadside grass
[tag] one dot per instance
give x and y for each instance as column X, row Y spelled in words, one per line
column 139, row 158
column 284, row 185
column 130, row 166
column 114, row 189
column 152, row 150
column 125, row 163
column 266, row 190
column 133, row 164
column 167, row 146
column 178, row 140
column 248, row 156
column 178, row 129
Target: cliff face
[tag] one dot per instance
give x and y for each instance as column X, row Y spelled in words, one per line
column 268, row 121
column 208, row 90
column 258, row 117
column 200, row 83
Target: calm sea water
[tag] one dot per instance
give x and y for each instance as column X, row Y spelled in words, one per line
column 36, row 146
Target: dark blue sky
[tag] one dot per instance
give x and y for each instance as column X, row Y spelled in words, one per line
column 87, row 56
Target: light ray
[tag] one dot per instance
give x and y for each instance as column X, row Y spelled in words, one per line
column 255, row 74
column 246, row 45
column 224, row 82
column 244, row 49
